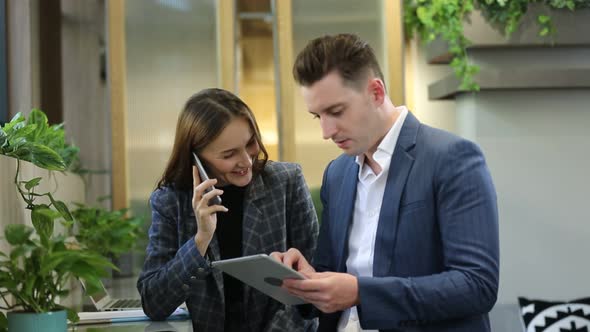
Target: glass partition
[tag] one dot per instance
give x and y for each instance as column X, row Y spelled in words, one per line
column 311, row 19
column 3, row 66
column 256, row 67
column 171, row 53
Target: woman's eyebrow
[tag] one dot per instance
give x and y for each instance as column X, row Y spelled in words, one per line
column 232, row 149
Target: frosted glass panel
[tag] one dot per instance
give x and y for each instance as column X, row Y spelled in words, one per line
column 311, row 19
column 171, row 54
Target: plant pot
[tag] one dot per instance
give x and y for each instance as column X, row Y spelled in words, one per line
column 54, row 321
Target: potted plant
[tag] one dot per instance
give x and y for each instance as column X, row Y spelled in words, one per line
column 444, row 19
column 36, row 272
column 110, row 233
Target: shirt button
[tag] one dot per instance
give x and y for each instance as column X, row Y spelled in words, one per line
column 185, row 287
column 200, row 270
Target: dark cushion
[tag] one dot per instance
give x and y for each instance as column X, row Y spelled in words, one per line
column 555, row 316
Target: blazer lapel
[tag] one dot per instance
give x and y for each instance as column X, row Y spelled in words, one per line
column 399, row 169
column 251, row 242
column 343, row 212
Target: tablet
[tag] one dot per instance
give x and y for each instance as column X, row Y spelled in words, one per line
column 263, row 273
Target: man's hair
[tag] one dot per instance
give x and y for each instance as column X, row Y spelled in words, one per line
column 349, row 55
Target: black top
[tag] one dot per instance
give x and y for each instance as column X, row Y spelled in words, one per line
column 229, row 235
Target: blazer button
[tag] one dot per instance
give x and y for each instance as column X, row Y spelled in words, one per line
column 185, row 287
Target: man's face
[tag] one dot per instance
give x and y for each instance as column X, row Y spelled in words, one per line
column 347, row 114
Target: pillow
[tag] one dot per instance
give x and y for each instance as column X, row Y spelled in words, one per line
column 549, row 316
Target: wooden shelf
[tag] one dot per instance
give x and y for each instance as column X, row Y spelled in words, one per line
column 514, row 79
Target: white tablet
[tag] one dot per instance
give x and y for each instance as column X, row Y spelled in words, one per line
column 263, row 273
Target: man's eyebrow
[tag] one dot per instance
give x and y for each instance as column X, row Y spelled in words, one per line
column 329, row 108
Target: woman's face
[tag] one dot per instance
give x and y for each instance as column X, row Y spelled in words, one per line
column 229, row 157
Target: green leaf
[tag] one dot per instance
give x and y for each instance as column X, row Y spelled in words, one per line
column 9, row 127
column 47, row 158
column 72, row 315
column 62, row 208
column 3, row 140
column 543, row 19
column 37, row 116
column 43, row 221
column 3, row 322
column 20, row 251
column 17, row 234
column 424, row 15
column 32, row 183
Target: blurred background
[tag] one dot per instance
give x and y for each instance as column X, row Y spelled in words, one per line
column 118, row 72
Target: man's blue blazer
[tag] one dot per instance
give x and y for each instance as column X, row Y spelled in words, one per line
column 436, row 255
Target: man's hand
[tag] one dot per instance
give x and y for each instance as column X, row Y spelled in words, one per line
column 294, row 259
column 328, row 291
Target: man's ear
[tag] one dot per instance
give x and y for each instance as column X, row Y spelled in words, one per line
column 376, row 89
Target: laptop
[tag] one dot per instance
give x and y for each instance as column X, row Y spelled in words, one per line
column 113, row 310
column 104, row 302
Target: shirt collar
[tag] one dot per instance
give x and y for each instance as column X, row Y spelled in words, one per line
column 385, row 149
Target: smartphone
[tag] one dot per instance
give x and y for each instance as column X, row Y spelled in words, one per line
column 216, row 200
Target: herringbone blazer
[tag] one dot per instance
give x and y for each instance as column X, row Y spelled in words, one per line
column 278, row 214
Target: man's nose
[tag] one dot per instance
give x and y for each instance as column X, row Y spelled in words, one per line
column 328, row 128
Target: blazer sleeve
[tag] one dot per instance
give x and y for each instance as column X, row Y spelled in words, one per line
column 302, row 228
column 169, row 270
column 302, row 221
column 323, row 259
column 467, row 217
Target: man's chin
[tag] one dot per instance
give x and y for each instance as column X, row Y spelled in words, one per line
column 351, row 152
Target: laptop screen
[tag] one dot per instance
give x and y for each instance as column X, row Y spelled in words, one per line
column 100, row 294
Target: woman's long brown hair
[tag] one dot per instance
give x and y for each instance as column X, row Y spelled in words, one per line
column 203, row 118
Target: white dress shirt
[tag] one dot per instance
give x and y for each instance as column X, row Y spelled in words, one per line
column 367, row 205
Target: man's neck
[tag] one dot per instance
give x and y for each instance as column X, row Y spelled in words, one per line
column 391, row 115
column 369, row 161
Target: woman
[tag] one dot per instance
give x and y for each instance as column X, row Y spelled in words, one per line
column 266, row 207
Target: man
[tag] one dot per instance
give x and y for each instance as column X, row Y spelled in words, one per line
column 409, row 234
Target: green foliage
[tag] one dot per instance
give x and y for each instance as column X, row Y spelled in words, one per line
column 3, row 322
column 431, row 19
column 109, row 233
column 34, row 140
column 40, row 264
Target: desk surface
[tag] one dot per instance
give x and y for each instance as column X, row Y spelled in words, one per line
column 145, row 326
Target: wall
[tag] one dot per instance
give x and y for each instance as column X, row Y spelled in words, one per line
column 23, row 86
column 85, row 111
column 419, row 74
column 537, row 147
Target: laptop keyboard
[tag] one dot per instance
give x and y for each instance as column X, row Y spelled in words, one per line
column 126, row 303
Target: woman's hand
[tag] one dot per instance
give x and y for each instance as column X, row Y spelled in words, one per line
column 205, row 214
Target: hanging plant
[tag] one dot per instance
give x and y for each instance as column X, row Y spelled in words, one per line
column 432, row 19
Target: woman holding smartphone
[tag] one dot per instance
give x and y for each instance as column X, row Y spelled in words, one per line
column 265, row 207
